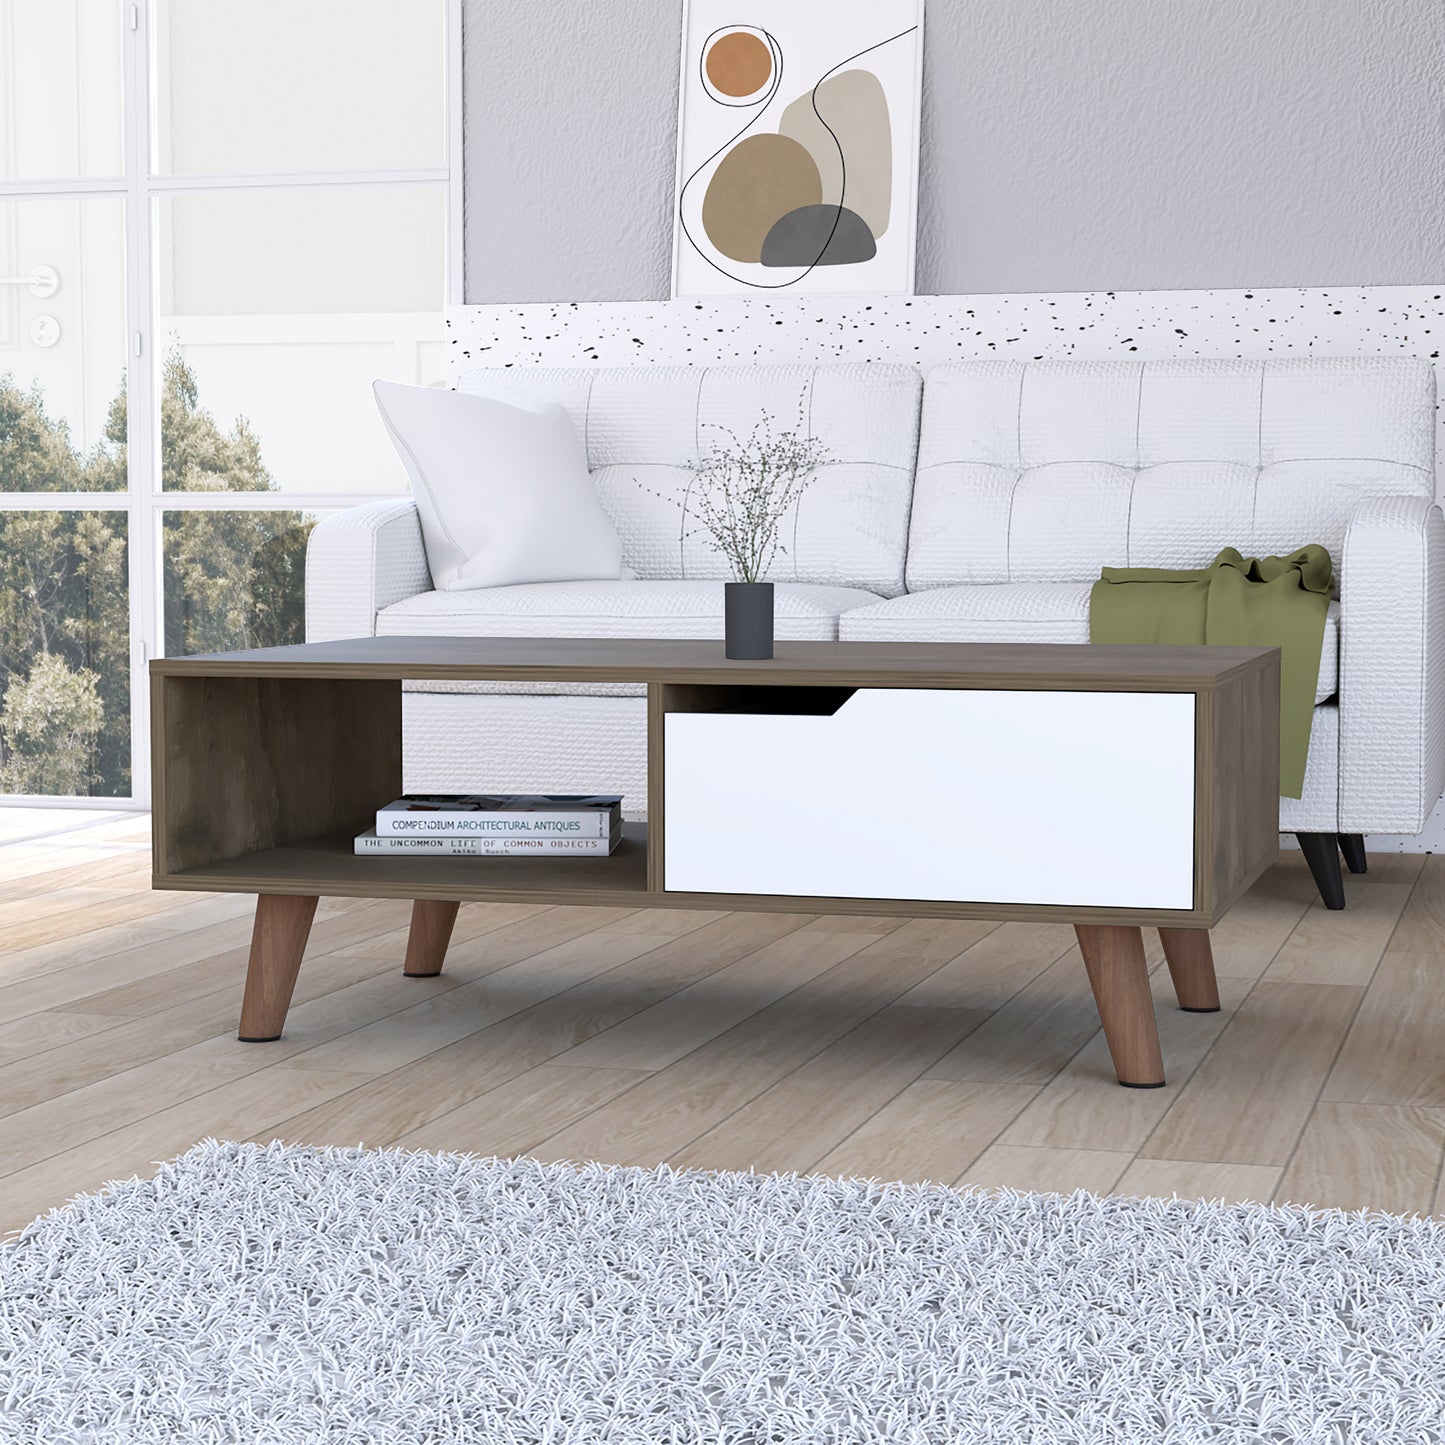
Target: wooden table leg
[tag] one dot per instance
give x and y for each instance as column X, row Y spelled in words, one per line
column 431, row 931
column 1191, row 966
column 1119, row 976
column 283, row 922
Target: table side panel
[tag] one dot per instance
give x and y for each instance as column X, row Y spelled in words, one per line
column 1204, row 714
column 1243, row 779
column 656, row 803
column 244, row 764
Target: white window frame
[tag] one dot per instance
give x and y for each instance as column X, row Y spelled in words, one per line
column 144, row 503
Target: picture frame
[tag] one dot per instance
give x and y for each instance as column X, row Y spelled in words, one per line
column 797, row 150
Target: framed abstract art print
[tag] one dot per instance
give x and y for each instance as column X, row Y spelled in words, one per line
column 797, row 155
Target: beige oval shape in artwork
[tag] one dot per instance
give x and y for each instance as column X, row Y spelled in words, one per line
column 757, row 183
column 856, row 109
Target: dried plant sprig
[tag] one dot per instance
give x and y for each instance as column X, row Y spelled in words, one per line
column 744, row 487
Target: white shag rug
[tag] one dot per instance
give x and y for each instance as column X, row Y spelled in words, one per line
column 285, row 1294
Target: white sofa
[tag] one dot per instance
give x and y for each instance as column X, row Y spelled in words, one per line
column 976, row 505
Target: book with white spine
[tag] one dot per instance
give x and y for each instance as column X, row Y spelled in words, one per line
column 368, row 843
column 517, row 815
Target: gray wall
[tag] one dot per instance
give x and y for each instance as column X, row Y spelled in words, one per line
column 1068, row 145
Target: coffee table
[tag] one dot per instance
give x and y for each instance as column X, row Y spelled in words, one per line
column 1111, row 788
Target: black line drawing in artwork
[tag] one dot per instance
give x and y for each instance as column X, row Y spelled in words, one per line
column 762, row 105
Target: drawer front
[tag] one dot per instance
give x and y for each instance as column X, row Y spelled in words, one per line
column 1069, row 798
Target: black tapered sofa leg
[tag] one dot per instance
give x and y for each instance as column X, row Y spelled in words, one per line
column 1322, row 853
column 1352, row 845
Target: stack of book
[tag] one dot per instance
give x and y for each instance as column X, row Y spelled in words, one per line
column 495, row 825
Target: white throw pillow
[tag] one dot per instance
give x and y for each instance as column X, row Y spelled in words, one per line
column 502, row 488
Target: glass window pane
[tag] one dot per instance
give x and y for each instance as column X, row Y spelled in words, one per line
column 278, row 309
column 299, row 85
column 64, row 654
column 234, row 579
column 60, row 90
column 301, row 251
column 62, row 352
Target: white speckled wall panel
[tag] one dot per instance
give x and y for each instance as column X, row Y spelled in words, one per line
column 926, row 331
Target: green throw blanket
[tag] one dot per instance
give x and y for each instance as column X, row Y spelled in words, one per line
column 1235, row 601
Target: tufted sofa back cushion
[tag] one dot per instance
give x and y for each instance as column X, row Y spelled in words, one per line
column 641, row 426
column 1049, row 470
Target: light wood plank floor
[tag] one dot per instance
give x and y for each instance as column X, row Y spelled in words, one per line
column 914, row 1049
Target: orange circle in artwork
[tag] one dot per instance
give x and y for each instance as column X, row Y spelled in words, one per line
column 739, row 63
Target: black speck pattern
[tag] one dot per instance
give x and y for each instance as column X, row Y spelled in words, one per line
column 925, row 331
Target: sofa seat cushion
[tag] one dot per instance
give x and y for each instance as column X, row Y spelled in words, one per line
column 1017, row 612
column 803, row 613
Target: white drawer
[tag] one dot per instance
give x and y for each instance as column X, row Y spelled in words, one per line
column 1073, row 798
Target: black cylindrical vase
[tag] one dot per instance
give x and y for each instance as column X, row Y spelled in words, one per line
column 748, row 619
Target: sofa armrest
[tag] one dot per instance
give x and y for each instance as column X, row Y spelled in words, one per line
column 359, row 561
column 1392, row 666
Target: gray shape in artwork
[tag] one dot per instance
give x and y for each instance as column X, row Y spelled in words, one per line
column 798, row 237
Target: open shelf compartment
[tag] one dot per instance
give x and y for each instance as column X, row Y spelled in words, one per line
column 329, row 866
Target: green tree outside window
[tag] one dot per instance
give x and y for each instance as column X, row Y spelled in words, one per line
column 231, row 579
